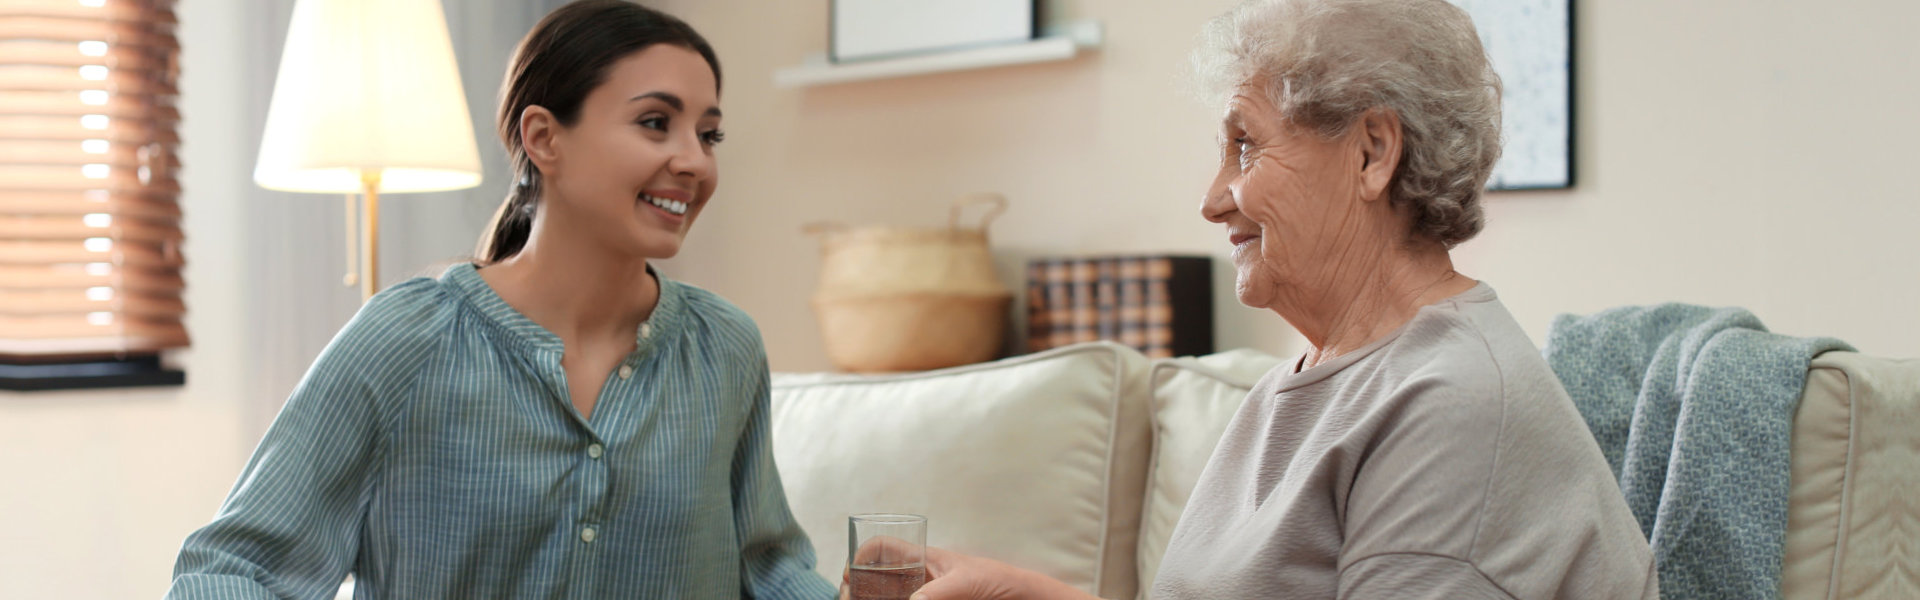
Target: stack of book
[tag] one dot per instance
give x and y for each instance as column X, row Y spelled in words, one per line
column 1159, row 305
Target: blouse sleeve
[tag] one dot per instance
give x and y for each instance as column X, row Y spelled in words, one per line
column 290, row 526
column 776, row 558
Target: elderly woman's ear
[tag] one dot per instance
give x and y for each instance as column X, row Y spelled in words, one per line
column 1378, row 135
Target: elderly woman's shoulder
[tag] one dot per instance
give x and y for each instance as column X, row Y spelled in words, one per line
column 1474, row 352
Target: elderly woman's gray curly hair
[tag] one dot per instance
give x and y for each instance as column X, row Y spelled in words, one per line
column 1326, row 62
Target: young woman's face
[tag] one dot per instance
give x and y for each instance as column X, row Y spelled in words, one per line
column 637, row 166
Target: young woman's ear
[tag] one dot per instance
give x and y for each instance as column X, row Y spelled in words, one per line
column 538, row 127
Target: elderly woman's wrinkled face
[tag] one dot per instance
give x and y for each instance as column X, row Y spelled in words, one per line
column 1289, row 199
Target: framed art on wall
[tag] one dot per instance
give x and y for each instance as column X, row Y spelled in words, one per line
column 1531, row 45
column 873, row 29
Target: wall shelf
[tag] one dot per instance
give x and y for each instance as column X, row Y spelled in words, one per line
column 1061, row 42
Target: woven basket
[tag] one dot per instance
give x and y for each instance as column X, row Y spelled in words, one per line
column 911, row 299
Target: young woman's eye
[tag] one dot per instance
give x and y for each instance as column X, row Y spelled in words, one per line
column 713, row 137
column 654, row 122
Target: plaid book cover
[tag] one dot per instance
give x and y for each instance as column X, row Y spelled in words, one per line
column 1159, row 305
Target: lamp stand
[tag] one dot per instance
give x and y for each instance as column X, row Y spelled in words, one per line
column 370, row 180
column 368, row 275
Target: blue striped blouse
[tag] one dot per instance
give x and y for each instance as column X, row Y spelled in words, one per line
column 432, row 451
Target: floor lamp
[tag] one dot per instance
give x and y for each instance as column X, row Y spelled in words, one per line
column 367, row 101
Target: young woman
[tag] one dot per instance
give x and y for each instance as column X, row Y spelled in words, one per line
column 555, row 419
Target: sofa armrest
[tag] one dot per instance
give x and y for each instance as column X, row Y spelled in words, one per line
column 1853, row 521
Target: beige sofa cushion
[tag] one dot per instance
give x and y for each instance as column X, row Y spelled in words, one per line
column 1853, row 515
column 1037, row 460
column 1193, row 399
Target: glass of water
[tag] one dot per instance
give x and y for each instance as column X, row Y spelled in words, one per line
column 886, row 555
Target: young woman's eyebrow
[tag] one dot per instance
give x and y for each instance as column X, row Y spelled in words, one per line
column 673, row 101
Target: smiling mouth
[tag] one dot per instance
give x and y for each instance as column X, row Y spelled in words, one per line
column 673, row 207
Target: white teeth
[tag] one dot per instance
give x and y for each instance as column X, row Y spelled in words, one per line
column 671, row 206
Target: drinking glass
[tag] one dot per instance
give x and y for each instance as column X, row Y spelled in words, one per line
column 886, row 555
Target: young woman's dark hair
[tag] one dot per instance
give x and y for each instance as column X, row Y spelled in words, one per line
column 563, row 59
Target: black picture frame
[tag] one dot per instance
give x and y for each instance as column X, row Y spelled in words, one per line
column 1534, row 46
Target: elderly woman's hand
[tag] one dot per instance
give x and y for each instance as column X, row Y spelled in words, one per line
column 956, row 576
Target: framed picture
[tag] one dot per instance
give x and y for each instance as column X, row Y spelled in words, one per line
column 1531, row 45
column 872, row 29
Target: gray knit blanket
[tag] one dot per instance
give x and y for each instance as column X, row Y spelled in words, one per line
column 1693, row 408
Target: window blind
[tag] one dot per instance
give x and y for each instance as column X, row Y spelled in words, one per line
column 90, row 234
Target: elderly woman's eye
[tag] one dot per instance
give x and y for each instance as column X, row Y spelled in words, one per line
column 1231, row 147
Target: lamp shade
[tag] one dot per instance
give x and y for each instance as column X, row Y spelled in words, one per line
column 368, row 86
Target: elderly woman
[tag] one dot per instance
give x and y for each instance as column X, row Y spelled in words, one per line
column 1420, row 447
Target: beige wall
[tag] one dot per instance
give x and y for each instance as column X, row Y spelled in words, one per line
column 1730, row 153
column 97, row 489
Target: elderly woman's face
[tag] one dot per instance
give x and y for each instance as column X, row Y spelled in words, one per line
column 1288, row 197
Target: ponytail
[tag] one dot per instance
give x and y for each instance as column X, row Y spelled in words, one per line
column 506, row 234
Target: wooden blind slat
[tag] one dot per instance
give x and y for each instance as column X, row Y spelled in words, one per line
column 112, row 9
column 76, row 103
column 72, row 178
column 69, row 326
column 69, row 276
column 72, row 153
column 123, row 255
column 84, row 302
column 146, row 204
column 145, row 30
column 93, row 347
column 94, row 226
column 49, row 333
column 65, row 79
column 73, row 55
column 154, row 127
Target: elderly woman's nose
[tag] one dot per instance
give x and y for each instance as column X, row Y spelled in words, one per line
column 1217, row 203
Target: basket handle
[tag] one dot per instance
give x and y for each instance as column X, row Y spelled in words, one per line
column 822, row 227
column 999, row 203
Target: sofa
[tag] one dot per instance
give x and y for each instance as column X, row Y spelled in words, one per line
column 1076, row 462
